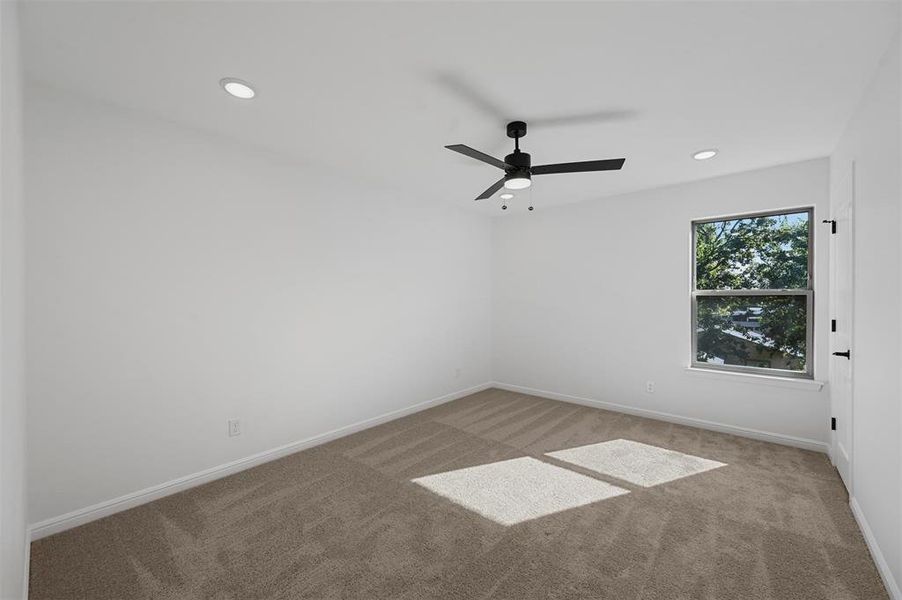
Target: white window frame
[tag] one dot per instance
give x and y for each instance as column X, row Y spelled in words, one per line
column 808, row 292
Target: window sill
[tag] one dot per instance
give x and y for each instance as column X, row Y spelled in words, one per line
column 784, row 382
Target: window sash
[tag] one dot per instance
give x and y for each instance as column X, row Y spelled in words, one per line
column 753, row 215
column 808, row 373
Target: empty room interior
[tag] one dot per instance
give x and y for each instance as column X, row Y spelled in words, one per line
column 434, row 300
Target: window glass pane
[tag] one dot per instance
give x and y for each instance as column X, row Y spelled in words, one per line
column 752, row 331
column 753, row 253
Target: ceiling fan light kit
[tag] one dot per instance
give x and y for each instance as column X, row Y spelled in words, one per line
column 518, row 169
column 517, row 182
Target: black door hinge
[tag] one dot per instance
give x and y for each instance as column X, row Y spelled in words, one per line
column 832, row 224
column 832, row 324
column 847, row 354
column 833, row 423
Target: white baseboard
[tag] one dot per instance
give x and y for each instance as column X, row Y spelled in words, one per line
column 777, row 438
column 883, row 568
column 27, row 566
column 109, row 507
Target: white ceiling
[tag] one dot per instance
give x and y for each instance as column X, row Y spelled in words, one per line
column 375, row 90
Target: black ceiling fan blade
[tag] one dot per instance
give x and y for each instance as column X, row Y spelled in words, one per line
column 467, row 151
column 490, row 192
column 611, row 164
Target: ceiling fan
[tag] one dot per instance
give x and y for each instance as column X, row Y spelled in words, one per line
column 517, row 169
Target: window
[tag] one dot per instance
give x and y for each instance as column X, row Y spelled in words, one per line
column 752, row 296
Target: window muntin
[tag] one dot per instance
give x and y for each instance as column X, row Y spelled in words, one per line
column 752, row 297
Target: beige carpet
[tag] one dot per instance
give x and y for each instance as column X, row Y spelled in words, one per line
column 345, row 521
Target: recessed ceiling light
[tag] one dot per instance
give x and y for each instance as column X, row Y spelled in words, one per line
column 705, row 154
column 506, row 196
column 237, row 88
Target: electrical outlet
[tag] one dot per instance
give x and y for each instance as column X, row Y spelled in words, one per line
column 234, row 427
column 650, row 387
column 457, row 373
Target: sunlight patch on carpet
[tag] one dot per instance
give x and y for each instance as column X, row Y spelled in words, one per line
column 512, row 491
column 635, row 462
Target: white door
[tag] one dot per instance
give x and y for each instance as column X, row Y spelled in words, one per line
column 841, row 283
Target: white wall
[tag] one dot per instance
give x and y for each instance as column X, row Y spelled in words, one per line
column 176, row 280
column 13, row 512
column 872, row 142
column 592, row 300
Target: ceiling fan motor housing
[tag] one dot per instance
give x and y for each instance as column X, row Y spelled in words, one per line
column 520, row 161
column 519, row 166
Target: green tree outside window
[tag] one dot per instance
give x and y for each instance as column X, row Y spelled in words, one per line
column 759, row 255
